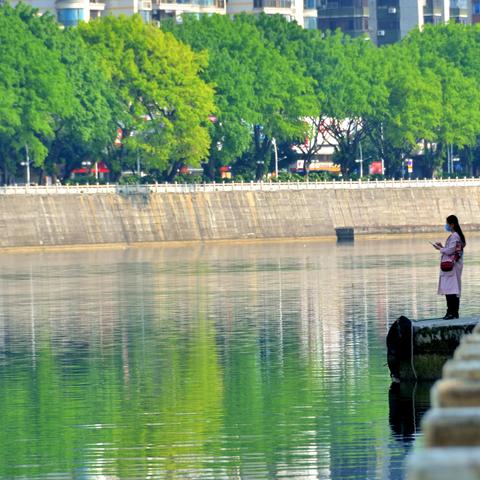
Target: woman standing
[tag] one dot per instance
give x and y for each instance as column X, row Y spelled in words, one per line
column 450, row 282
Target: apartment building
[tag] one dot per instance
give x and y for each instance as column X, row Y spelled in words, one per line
column 304, row 12
column 70, row 12
column 165, row 9
column 475, row 11
column 350, row 16
column 388, row 21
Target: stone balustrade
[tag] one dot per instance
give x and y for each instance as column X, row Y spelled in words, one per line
column 452, row 427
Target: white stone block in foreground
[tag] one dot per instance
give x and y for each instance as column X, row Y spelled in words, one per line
column 444, row 464
column 452, row 427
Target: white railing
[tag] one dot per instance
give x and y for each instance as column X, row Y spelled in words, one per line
column 229, row 187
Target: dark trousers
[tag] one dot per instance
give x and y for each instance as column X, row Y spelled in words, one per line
column 453, row 304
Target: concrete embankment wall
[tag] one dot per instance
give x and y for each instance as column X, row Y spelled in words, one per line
column 124, row 218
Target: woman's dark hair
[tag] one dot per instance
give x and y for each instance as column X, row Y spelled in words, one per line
column 456, row 226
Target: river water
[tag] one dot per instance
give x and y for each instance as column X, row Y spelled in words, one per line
column 234, row 361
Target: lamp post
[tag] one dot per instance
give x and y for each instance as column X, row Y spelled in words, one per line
column 27, row 164
column 360, row 160
column 275, row 152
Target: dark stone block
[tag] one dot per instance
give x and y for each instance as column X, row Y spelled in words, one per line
column 418, row 349
column 345, row 234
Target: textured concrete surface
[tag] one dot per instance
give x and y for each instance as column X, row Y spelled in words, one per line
column 467, row 351
column 455, row 393
column 462, row 369
column 78, row 219
column 454, row 427
column 444, row 464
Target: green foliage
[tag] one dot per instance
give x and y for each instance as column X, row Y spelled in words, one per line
column 85, row 180
column 408, row 113
column 165, row 103
column 260, row 93
column 129, row 179
column 35, row 90
column 218, row 89
column 189, row 178
column 89, row 128
column 448, row 54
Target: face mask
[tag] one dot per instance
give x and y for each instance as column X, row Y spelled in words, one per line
column 448, row 228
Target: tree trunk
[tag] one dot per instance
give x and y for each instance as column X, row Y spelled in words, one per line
column 211, row 168
column 307, row 161
column 172, row 173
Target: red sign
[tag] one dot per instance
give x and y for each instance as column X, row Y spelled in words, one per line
column 376, row 168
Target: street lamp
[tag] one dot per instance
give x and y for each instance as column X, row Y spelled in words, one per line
column 27, row 164
column 360, row 160
column 275, row 151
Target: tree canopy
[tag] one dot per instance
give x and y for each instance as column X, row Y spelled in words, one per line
column 165, row 104
column 34, row 91
column 259, row 92
column 217, row 90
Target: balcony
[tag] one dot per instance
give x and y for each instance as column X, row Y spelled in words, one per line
column 337, row 12
column 272, row 4
column 457, row 12
column 432, row 11
column 197, row 3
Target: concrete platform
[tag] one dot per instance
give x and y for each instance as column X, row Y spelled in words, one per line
column 418, row 349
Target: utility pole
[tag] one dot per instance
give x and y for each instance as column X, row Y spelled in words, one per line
column 383, row 148
column 275, row 152
column 27, row 164
column 360, row 160
column 448, row 158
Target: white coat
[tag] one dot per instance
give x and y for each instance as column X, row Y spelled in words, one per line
column 450, row 283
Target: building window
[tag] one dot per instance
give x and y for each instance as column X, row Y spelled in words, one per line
column 146, row 15
column 70, row 16
column 310, row 23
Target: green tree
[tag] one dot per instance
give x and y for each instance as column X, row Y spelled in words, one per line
column 298, row 45
column 450, row 53
column 349, row 85
column 408, row 113
column 260, row 94
column 34, row 91
column 165, row 103
column 88, row 129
